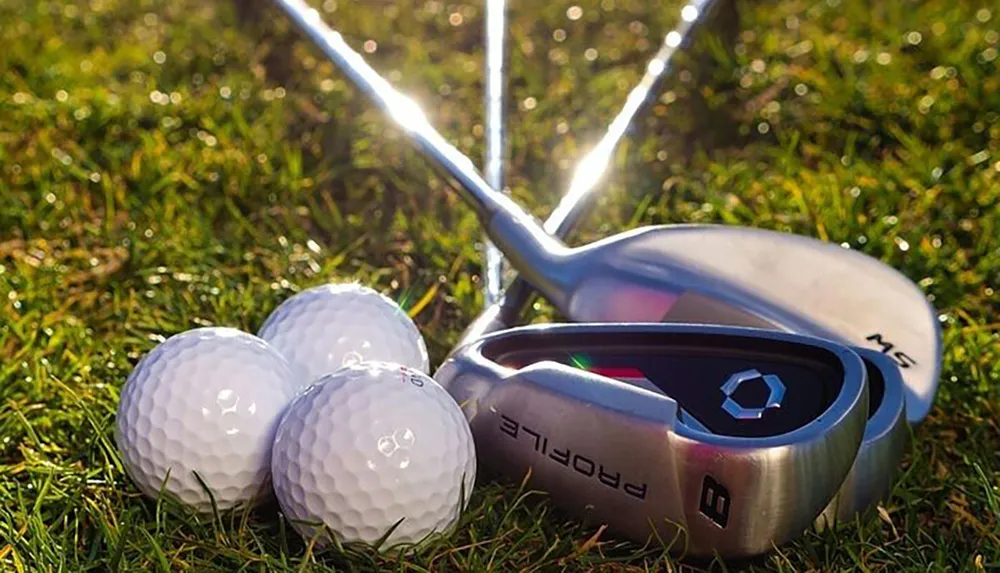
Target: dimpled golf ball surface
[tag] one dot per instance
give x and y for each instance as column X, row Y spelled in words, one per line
column 322, row 328
column 369, row 445
column 209, row 401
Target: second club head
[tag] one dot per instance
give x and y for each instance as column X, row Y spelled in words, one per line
column 739, row 276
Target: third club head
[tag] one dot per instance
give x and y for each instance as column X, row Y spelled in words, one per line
column 871, row 479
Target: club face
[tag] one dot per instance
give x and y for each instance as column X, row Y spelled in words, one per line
column 736, row 482
column 750, row 277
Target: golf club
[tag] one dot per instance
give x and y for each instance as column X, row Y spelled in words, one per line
column 870, row 479
column 747, row 437
column 495, row 106
column 683, row 273
column 590, row 170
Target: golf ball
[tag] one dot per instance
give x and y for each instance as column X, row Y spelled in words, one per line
column 208, row 401
column 368, row 446
column 325, row 327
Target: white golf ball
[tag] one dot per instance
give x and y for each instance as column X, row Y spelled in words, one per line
column 325, row 327
column 369, row 445
column 208, row 401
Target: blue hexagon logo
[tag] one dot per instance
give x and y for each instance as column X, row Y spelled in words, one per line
column 740, row 412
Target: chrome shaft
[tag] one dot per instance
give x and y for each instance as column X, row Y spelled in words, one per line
column 495, row 106
column 519, row 235
column 404, row 111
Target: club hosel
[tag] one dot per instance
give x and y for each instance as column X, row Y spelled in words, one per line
column 503, row 314
column 490, row 320
column 535, row 254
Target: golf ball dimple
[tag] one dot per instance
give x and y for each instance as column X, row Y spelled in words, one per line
column 208, row 401
column 325, row 327
column 369, row 445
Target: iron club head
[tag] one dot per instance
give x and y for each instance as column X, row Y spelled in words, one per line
column 744, row 277
column 748, row 437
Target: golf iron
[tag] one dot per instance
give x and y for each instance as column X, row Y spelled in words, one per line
column 683, row 273
column 712, row 440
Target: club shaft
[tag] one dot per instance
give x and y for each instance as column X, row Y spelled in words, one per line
column 591, row 169
column 520, row 236
column 401, row 109
column 495, row 105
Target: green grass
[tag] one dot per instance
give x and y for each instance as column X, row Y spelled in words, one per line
column 167, row 165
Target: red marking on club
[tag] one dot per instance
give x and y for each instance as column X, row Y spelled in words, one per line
column 618, row 372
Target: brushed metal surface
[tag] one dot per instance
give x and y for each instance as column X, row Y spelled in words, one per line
column 595, row 444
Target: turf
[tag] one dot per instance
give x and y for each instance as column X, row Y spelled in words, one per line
column 168, row 165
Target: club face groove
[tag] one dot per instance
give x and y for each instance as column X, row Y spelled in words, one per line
column 552, row 398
